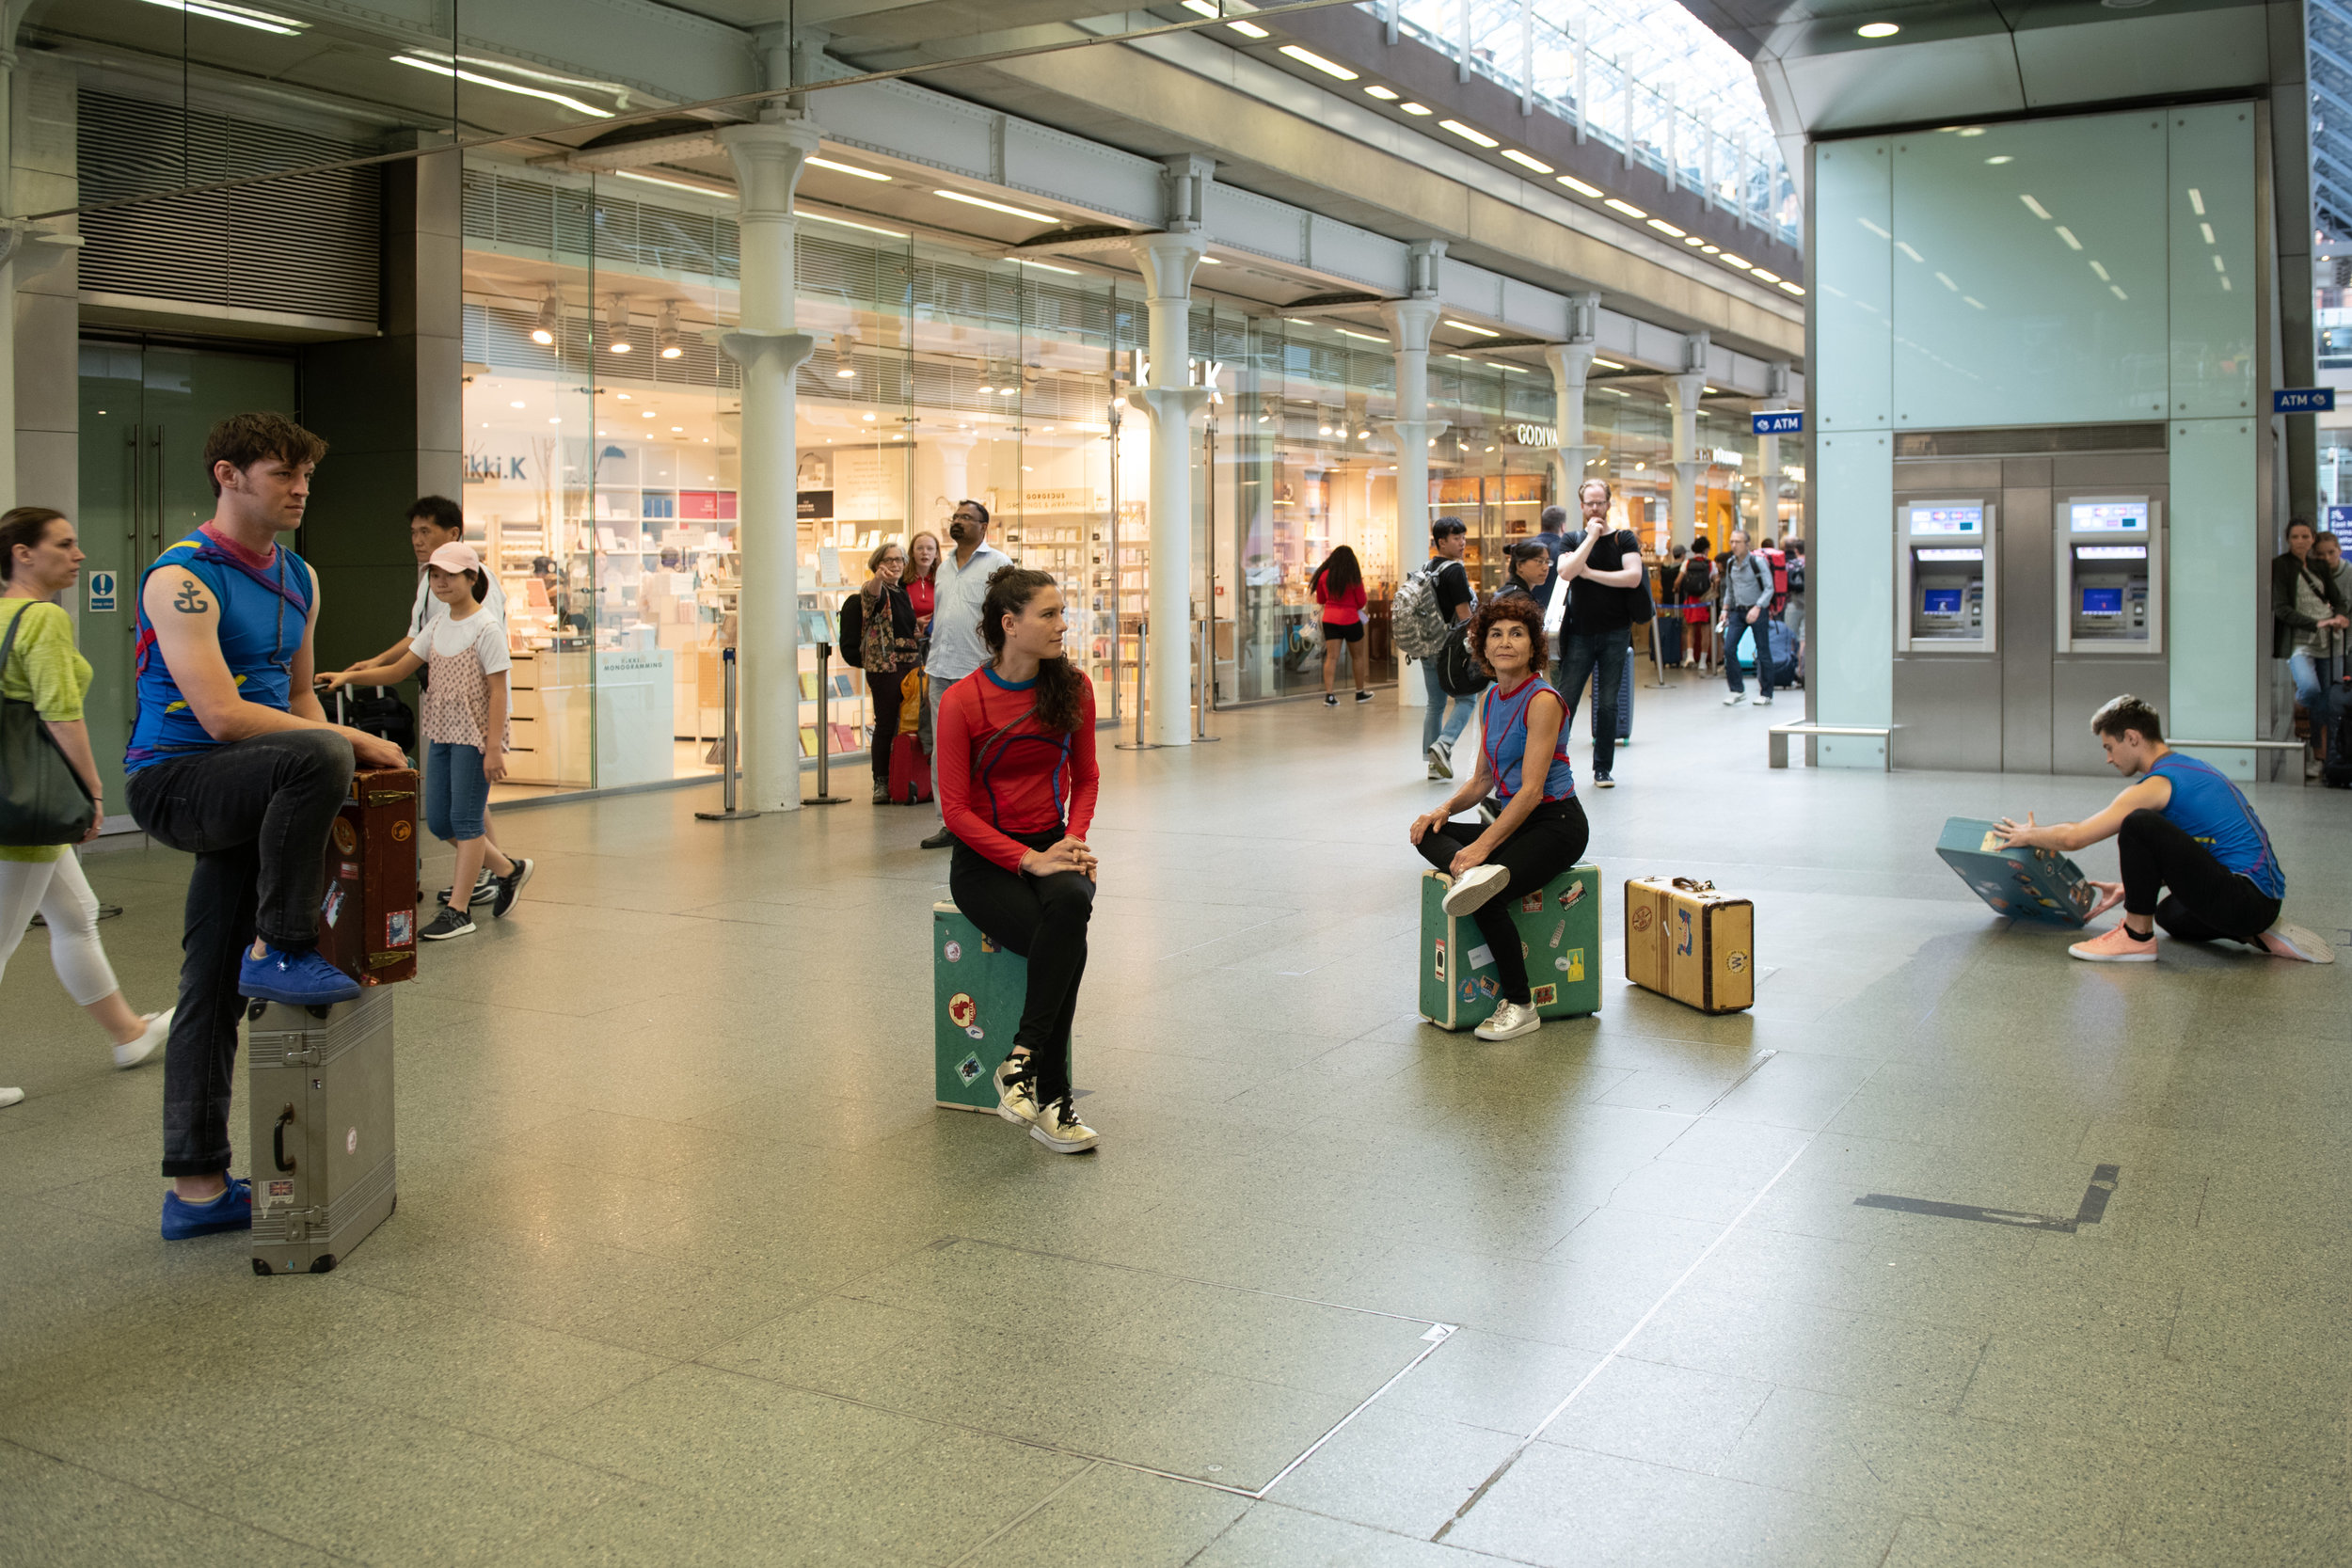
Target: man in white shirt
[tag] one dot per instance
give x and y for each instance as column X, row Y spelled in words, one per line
column 958, row 586
column 434, row 521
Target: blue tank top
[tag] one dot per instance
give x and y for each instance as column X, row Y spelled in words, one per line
column 264, row 614
column 1503, row 727
column 2210, row 808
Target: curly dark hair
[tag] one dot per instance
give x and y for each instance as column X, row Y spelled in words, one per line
column 1517, row 606
column 242, row 440
column 1059, row 686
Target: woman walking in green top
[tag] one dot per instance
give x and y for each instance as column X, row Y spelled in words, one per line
column 39, row 559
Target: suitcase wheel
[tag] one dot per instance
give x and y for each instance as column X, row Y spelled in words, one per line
column 323, row 1265
column 254, row 1006
column 318, row 1012
column 261, row 1266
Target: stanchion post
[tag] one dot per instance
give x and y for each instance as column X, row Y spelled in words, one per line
column 825, row 796
column 727, row 742
column 1143, row 689
column 1204, row 697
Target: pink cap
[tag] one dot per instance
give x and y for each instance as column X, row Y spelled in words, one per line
column 456, row 556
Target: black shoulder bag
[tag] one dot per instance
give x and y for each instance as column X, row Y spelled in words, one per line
column 42, row 801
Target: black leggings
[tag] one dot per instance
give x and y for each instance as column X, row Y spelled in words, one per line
column 889, row 691
column 2208, row 902
column 1044, row 920
column 1547, row 842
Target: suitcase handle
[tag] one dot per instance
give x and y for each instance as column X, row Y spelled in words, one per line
column 387, row 796
column 278, row 1139
column 1690, row 886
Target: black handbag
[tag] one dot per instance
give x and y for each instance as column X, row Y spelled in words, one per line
column 42, row 801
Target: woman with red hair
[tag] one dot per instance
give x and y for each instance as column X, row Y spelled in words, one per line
column 1539, row 829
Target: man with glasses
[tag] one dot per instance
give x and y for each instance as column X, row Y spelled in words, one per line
column 1596, row 638
column 958, row 587
column 1449, row 541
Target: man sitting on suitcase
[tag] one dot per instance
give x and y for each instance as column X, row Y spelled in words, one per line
column 232, row 760
column 2183, row 827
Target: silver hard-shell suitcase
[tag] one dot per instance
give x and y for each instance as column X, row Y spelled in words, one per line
column 319, row 1085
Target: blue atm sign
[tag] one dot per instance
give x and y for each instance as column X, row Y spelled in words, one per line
column 2303, row 400
column 1786, row 421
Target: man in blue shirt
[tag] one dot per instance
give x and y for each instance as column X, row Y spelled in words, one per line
column 232, row 760
column 2183, row 827
column 958, row 586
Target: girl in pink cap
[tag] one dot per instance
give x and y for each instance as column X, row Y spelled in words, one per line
column 464, row 728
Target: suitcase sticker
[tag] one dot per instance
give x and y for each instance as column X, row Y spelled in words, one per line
column 972, row 978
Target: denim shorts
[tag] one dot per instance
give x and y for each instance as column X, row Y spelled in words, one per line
column 455, row 792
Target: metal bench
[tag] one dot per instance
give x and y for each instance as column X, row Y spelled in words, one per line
column 2296, row 746
column 1778, row 739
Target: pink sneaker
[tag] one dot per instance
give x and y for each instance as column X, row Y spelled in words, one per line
column 2116, row 946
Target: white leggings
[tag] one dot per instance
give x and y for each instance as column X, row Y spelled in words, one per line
column 60, row 890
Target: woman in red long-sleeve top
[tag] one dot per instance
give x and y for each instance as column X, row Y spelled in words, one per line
column 1017, row 783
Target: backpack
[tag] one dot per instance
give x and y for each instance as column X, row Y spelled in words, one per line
column 851, row 648
column 1796, row 577
column 1416, row 627
column 1458, row 674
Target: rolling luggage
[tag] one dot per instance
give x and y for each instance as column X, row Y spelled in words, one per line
column 2335, row 768
column 978, row 990
column 910, row 771
column 1667, row 628
column 2023, row 884
column 1559, row 928
column 319, row 1086
column 368, row 904
column 1780, row 644
column 1685, row 940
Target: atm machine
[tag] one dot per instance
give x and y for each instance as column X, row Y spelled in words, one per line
column 2109, row 630
column 1948, row 654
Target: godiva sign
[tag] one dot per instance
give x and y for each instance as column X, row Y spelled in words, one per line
column 1531, row 435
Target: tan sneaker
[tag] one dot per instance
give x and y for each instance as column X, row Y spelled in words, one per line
column 2116, row 945
column 1016, row 1092
column 1058, row 1128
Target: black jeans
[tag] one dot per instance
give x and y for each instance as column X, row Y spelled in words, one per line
column 1547, row 842
column 888, row 691
column 1044, row 920
column 255, row 813
column 2208, row 901
column 1734, row 627
column 1582, row 656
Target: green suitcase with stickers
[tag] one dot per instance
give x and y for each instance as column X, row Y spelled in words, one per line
column 977, row 992
column 1559, row 928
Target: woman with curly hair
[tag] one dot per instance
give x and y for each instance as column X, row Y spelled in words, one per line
column 1540, row 830
column 1017, row 782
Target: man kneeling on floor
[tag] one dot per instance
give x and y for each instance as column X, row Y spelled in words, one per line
column 232, row 760
column 2182, row 827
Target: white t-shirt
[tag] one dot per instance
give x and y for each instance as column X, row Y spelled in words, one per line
column 483, row 631
column 430, row 608
column 458, row 699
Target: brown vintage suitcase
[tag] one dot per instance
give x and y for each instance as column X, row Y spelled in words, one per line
column 1685, row 940
column 368, row 910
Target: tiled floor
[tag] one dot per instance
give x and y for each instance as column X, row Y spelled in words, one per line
column 687, row 1269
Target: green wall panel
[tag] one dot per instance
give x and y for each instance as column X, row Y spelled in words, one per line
column 1853, row 583
column 1853, row 308
column 2210, row 194
column 2030, row 273
column 2215, row 558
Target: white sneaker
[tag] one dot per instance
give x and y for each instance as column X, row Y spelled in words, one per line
column 9, row 1096
column 2289, row 940
column 1440, row 760
column 1016, row 1092
column 1763, row 701
column 1510, row 1020
column 1058, row 1128
column 149, row 1041
column 1475, row 887
column 1733, row 700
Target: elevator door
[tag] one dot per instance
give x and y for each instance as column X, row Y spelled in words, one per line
column 146, row 410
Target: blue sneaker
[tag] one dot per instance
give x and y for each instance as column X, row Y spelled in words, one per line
column 301, row 979
column 231, row 1210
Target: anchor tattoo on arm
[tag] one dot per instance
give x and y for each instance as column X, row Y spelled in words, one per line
column 191, row 601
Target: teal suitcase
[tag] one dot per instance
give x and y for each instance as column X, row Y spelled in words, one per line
column 977, row 989
column 1559, row 930
column 2023, row 884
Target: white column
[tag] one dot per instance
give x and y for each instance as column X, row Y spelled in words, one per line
column 955, row 466
column 1767, row 446
column 1571, row 368
column 769, row 157
column 1167, row 262
column 1682, row 401
column 1410, row 322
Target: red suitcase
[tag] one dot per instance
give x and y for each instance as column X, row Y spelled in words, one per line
column 910, row 771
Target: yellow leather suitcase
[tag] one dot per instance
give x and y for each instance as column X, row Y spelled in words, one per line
column 1685, row 940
